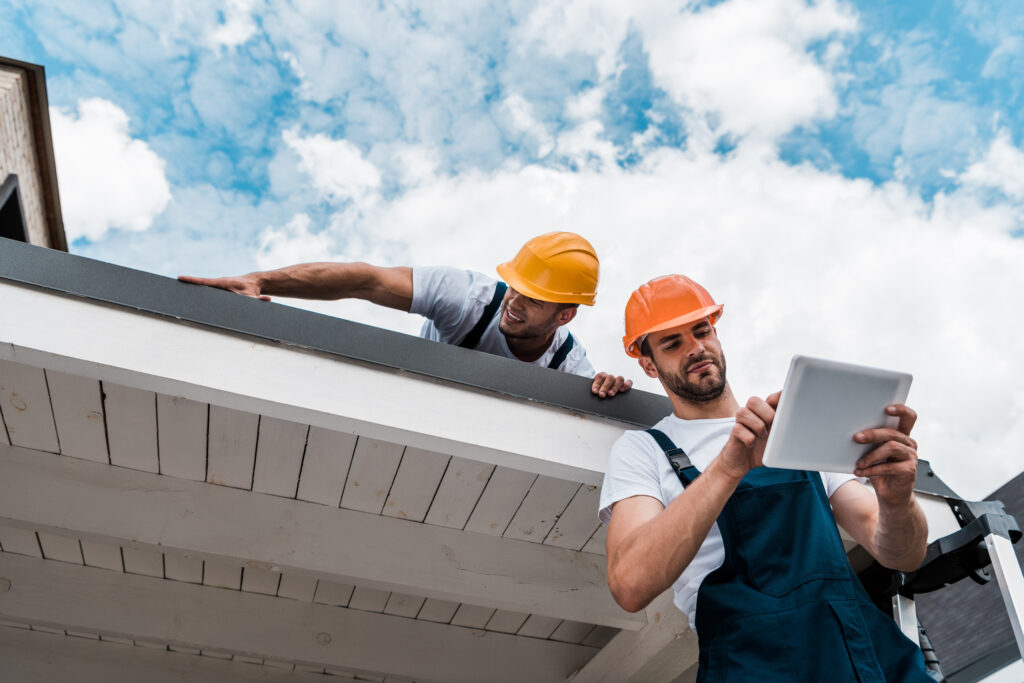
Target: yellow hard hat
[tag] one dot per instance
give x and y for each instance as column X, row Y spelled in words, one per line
column 559, row 266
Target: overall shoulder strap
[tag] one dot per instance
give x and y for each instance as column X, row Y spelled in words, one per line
column 677, row 457
column 473, row 338
column 562, row 352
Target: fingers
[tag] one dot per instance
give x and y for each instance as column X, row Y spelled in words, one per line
column 773, row 400
column 891, row 458
column 192, row 280
column 883, row 435
column 607, row 385
column 906, row 416
column 753, row 421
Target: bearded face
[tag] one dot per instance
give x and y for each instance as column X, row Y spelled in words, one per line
column 696, row 381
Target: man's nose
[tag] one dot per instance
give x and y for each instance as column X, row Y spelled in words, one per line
column 695, row 347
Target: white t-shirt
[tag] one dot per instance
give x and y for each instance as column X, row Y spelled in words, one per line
column 638, row 467
column 453, row 300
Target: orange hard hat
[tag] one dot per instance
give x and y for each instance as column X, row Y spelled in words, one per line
column 663, row 303
column 559, row 266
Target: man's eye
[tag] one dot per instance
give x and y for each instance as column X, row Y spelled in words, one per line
column 670, row 346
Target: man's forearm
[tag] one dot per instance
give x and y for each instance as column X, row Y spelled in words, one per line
column 901, row 536
column 651, row 558
column 312, row 281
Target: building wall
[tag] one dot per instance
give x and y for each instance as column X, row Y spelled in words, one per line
column 18, row 153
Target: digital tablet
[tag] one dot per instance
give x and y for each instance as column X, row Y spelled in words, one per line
column 823, row 404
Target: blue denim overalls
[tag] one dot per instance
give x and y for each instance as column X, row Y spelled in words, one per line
column 785, row 605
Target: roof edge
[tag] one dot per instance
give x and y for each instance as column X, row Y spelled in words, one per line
column 158, row 295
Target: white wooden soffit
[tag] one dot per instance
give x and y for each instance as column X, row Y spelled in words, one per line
column 660, row 652
column 158, row 354
column 38, row 657
column 98, row 601
column 92, row 501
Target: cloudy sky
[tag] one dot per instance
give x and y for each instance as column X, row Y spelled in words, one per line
column 847, row 177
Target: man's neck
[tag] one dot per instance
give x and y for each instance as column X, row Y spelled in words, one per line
column 529, row 349
column 723, row 406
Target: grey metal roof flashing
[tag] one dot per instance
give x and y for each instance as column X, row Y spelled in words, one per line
column 162, row 296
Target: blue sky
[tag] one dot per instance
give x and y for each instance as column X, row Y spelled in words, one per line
column 847, row 176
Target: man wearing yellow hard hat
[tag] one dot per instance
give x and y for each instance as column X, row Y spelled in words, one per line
column 522, row 317
column 752, row 554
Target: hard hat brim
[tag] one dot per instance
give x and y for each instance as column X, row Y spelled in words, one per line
column 511, row 277
column 633, row 346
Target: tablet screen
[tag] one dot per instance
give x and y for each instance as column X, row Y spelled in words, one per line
column 823, row 404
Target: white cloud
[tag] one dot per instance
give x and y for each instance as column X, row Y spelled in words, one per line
column 744, row 63
column 107, row 179
column 238, row 25
column 293, row 243
column 337, row 167
column 1002, row 168
column 747, row 61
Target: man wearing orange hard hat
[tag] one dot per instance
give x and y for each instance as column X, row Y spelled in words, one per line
column 753, row 554
column 522, row 317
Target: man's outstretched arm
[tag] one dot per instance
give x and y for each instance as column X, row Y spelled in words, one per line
column 391, row 287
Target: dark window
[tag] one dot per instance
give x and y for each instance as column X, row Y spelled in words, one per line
column 12, row 221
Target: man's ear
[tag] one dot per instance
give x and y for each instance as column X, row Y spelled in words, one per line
column 564, row 316
column 648, row 366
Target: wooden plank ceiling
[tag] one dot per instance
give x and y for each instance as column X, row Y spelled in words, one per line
column 174, row 438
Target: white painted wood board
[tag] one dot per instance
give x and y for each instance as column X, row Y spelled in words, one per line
column 368, row 599
column 232, row 525
column 547, row 498
column 440, row 611
column 222, row 574
column 506, row 621
column 403, row 605
column 472, row 616
column 502, row 496
column 104, row 555
column 39, row 657
column 131, row 427
column 258, row 376
column 415, row 484
column 297, row 587
column 600, row 636
column 461, row 486
column 537, row 626
column 25, row 403
column 333, row 593
column 79, row 634
column 374, row 464
column 20, row 541
column 78, row 413
column 578, row 522
column 182, row 568
column 143, row 561
column 663, row 650
column 60, row 548
column 231, row 451
column 325, row 466
column 279, row 457
column 255, row 580
column 182, row 437
column 596, row 544
column 571, row 631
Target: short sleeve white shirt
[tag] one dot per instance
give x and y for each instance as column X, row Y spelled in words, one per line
column 638, row 467
column 453, row 300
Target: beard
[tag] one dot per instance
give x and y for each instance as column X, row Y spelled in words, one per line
column 702, row 390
